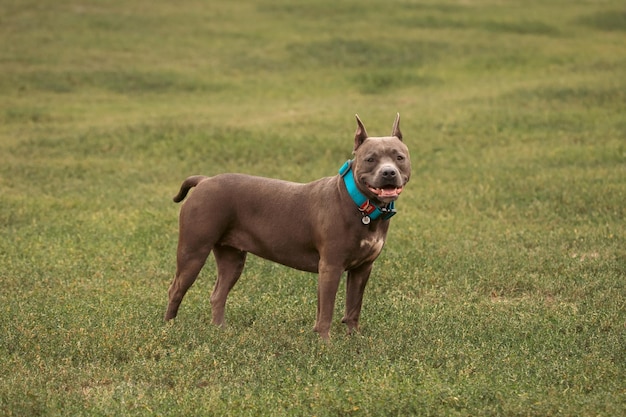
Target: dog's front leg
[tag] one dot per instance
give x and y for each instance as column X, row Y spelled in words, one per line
column 355, row 286
column 327, row 285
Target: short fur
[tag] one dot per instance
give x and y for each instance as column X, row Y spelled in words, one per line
column 314, row 227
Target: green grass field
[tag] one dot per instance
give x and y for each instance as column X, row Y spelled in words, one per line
column 501, row 291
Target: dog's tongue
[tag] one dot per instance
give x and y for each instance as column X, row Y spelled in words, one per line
column 388, row 191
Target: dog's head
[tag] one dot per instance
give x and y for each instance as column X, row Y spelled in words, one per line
column 382, row 165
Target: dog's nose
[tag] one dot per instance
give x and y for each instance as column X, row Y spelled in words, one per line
column 389, row 172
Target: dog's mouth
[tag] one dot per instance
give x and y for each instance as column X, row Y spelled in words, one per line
column 386, row 192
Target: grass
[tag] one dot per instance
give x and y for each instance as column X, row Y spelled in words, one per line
column 501, row 290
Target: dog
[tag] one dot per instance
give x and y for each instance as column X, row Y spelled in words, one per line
column 327, row 226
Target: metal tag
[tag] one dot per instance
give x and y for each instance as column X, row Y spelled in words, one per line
column 366, row 220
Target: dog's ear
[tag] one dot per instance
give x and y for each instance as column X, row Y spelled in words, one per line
column 396, row 128
column 360, row 135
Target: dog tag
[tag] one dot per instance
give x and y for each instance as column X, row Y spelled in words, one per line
column 366, row 220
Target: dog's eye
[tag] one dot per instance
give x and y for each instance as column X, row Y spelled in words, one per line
column 370, row 160
column 400, row 158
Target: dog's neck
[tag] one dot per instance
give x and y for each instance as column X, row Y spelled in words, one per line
column 368, row 209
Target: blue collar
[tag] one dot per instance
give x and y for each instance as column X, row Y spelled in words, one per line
column 369, row 210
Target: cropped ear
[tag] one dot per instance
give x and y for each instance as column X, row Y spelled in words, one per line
column 396, row 128
column 360, row 135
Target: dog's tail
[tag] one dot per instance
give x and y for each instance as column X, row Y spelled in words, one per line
column 187, row 185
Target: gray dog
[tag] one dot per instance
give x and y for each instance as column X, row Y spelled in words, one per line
column 328, row 226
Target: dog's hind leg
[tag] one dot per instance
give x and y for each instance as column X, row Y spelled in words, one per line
column 230, row 263
column 189, row 265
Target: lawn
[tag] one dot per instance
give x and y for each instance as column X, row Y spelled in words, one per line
column 502, row 287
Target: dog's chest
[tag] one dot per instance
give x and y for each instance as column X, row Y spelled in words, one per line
column 369, row 249
column 372, row 245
